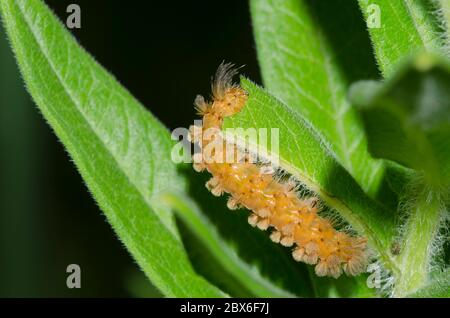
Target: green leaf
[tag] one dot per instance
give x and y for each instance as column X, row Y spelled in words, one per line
column 252, row 258
column 309, row 53
column 407, row 119
column 439, row 287
column 406, row 27
column 229, row 250
column 420, row 240
column 248, row 275
column 121, row 151
column 302, row 154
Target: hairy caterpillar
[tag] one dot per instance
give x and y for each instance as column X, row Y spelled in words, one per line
column 274, row 203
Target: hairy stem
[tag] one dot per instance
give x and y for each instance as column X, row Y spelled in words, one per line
column 421, row 230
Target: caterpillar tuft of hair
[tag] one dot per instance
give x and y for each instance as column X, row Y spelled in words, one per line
column 274, row 203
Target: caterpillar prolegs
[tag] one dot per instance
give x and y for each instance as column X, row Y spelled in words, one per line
column 274, row 203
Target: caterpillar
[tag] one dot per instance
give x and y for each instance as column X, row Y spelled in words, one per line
column 273, row 203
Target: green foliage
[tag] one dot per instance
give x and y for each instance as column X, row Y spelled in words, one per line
column 114, row 142
column 308, row 60
column 408, row 118
column 407, row 27
column 305, row 157
column 439, row 286
column 359, row 160
column 249, row 276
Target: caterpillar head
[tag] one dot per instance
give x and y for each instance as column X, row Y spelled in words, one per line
column 229, row 98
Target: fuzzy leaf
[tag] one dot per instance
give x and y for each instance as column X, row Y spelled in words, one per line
column 439, row 287
column 121, row 151
column 302, row 154
column 248, row 255
column 249, row 275
column 407, row 120
column 405, row 28
column 309, row 53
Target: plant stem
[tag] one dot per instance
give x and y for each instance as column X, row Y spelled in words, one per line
column 420, row 231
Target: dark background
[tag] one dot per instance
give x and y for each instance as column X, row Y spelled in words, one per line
column 164, row 54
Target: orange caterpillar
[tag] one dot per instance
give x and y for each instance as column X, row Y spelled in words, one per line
column 275, row 204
